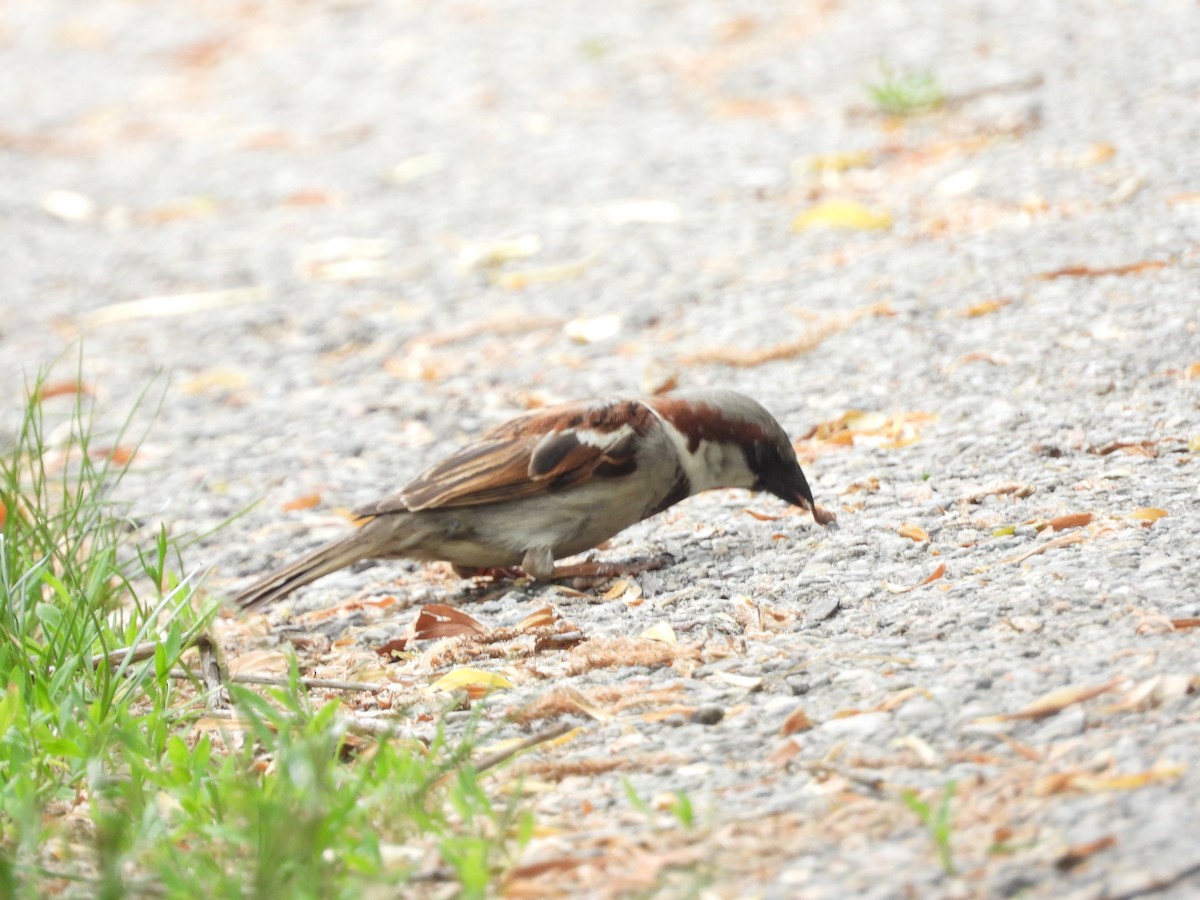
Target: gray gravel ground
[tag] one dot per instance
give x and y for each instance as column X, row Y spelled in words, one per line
column 658, row 152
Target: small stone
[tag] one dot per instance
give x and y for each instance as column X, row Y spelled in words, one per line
column 708, row 715
column 822, row 609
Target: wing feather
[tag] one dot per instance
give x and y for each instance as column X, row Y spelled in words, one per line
column 539, row 452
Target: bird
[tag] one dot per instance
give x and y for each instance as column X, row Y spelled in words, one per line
column 560, row 480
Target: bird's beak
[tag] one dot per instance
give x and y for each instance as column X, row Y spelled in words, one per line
column 793, row 488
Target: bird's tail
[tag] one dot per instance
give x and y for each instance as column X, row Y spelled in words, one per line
column 337, row 554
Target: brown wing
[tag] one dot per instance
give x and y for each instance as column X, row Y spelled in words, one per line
column 545, row 450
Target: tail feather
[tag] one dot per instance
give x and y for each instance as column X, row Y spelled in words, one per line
column 328, row 558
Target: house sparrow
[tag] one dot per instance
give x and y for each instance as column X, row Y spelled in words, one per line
column 561, row 480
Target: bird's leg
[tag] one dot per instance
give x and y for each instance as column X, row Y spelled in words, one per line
column 594, row 571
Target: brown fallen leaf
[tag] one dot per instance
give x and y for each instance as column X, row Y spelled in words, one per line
column 1053, row 703
column 1080, row 853
column 913, row 532
column 978, row 356
column 306, row 501
column 785, row 752
column 436, row 620
column 984, row 308
column 872, row 429
column 1146, row 265
column 1177, row 624
column 392, row 648
column 1074, row 537
column 63, row 389
column 1071, row 520
column 796, row 722
column 539, row 618
column 937, row 573
column 762, row 517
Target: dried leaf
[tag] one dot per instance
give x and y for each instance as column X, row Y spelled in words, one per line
column 1054, row 702
column 1177, row 624
column 215, row 380
column 1147, row 265
column 470, row 678
column 1148, row 514
column 392, row 648
column 796, row 722
column 843, row 214
column 1072, row 520
column 176, row 305
column 662, row 632
column 181, row 209
column 1153, row 692
column 307, row 501
column 344, row 259
column 63, row 389
column 1130, row 781
column 409, row 170
column 762, row 517
column 489, row 254
column 731, row 356
column 312, row 197
column 540, row 618
column 822, row 163
column 1016, row 488
column 937, row 573
column 436, row 620
column 593, row 330
column 863, row 485
column 1074, row 537
column 984, row 308
column 519, row 280
column 786, row 751
column 1080, row 853
column 913, row 532
column 873, row 429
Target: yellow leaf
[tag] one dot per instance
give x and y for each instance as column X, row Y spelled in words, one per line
column 986, row 308
column 1127, row 782
column 837, row 162
column 1148, row 514
column 1194, row 443
column 465, row 678
column 913, row 532
column 845, row 214
column 661, row 632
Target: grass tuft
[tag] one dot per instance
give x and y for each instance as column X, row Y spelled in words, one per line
column 905, row 94
column 118, row 777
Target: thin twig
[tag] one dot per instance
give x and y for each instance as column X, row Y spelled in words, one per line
column 333, row 684
column 494, row 759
